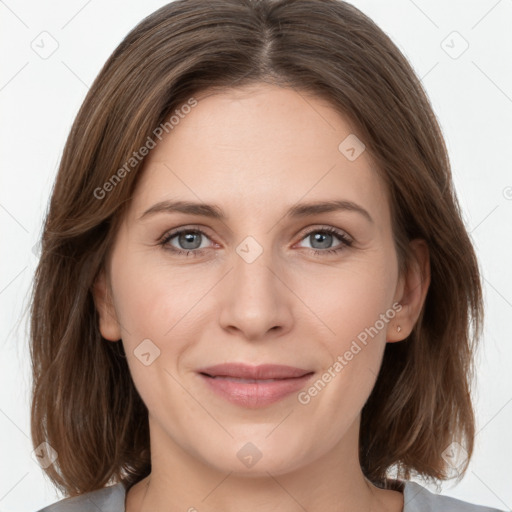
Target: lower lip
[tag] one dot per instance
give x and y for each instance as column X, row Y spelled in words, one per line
column 255, row 394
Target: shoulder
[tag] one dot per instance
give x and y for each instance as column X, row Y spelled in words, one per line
column 107, row 499
column 419, row 499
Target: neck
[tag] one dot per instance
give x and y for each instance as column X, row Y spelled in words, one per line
column 333, row 481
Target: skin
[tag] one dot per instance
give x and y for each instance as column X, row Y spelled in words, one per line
column 255, row 152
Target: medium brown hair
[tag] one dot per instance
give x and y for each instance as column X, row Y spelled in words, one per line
column 84, row 402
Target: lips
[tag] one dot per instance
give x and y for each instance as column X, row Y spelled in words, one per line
column 254, row 373
column 254, row 386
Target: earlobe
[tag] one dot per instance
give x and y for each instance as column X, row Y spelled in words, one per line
column 108, row 323
column 412, row 292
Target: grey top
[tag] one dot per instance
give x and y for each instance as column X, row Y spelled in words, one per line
column 111, row 499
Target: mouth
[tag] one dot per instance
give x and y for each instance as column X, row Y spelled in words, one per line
column 238, row 379
column 254, row 386
column 249, row 372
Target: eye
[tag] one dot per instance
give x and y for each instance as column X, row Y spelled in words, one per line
column 322, row 239
column 189, row 241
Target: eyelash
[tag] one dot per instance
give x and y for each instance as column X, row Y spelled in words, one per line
column 167, row 237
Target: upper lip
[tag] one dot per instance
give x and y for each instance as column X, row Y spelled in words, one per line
column 245, row 371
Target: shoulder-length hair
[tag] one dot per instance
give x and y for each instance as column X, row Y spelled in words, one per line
column 84, row 402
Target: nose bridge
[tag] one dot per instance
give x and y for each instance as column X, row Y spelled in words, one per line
column 256, row 299
column 252, row 263
column 255, row 270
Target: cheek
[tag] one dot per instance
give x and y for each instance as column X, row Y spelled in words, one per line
column 155, row 313
column 357, row 312
column 349, row 301
column 151, row 299
column 159, row 309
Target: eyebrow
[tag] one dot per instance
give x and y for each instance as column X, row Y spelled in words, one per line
column 215, row 212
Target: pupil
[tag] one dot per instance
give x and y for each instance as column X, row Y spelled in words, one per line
column 189, row 238
column 322, row 237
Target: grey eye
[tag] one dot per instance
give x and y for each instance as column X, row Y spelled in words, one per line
column 324, row 240
column 187, row 240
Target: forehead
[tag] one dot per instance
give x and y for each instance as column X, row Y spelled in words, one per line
column 257, row 147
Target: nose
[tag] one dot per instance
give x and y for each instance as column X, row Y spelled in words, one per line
column 256, row 301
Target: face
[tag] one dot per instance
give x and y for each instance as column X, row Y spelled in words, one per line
column 267, row 283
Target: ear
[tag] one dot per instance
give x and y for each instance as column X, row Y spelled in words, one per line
column 108, row 324
column 411, row 291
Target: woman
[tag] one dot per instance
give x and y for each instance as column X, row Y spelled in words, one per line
column 187, row 346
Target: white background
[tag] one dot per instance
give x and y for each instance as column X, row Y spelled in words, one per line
column 471, row 94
